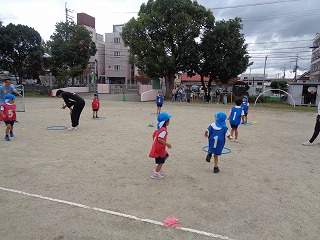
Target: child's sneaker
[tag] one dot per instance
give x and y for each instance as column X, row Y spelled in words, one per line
column 236, row 140
column 307, row 143
column 7, row 138
column 216, row 169
column 162, row 173
column 156, row 175
column 208, row 158
column 11, row 134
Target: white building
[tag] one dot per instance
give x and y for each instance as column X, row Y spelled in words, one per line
column 118, row 70
column 315, row 60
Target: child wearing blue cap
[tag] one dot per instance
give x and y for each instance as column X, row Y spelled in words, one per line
column 8, row 114
column 234, row 118
column 159, row 102
column 216, row 134
column 158, row 150
column 245, row 107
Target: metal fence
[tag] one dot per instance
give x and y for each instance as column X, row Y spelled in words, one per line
column 123, row 88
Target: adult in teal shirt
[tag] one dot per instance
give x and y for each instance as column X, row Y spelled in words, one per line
column 7, row 88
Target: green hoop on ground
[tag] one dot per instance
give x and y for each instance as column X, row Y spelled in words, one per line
column 294, row 104
column 99, row 118
column 228, row 150
column 56, row 128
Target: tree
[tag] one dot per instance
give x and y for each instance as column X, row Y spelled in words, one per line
column 70, row 48
column 20, row 50
column 163, row 37
column 223, row 52
column 283, row 85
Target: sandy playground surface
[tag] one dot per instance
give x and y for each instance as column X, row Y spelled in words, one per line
column 268, row 187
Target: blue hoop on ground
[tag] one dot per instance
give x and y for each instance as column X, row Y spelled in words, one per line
column 246, row 124
column 56, row 128
column 99, row 118
column 205, row 149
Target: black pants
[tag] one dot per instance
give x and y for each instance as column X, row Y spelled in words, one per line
column 316, row 130
column 76, row 112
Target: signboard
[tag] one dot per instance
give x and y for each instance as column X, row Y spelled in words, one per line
column 240, row 88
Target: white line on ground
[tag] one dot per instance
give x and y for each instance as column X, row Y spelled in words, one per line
column 119, row 214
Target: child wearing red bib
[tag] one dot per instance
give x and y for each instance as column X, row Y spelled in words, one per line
column 95, row 105
column 8, row 113
column 158, row 150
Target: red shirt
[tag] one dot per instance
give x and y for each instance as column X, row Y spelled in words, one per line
column 95, row 104
column 158, row 149
column 9, row 111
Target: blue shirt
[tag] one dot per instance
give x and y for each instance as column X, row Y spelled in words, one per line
column 235, row 116
column 4, row 91
column 217, row 138
column 159, row 100
column 245, row 106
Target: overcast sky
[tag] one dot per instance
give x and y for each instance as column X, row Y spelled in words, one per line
column 280, row 29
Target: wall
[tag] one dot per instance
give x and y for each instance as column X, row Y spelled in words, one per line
column 71, row 89
column 103, row 88
column 150, row 95
column 144, row 88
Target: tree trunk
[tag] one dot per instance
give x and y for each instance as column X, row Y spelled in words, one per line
column 169, row 81
column 209, row 90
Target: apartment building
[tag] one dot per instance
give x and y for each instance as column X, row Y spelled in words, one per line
column 315, row 60
column 117, row 67
column 97, row 62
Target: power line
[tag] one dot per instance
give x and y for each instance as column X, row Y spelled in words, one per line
column 254, row 4
column 304, row 40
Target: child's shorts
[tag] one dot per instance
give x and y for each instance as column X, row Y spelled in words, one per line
column 159, row 105
column 160, row 160
column 95, row 110
column 234, row 126
column 9, row 122
column 246, row 114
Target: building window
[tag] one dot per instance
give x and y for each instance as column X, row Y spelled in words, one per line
column 117, row 67
column 116, row 54
column 116, row 40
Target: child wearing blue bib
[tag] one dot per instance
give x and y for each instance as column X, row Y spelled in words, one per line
column 236, row 113
column 216, row 134
column 245, row 107
column 159, row 101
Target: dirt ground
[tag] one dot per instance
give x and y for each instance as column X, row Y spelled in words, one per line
column 268, row 187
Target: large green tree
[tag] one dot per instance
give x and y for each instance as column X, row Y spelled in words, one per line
column 163, row 37
column 20, row 50
column 223, row 52
column 70, row 48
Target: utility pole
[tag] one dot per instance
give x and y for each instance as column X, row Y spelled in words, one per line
column 264, row 72
column 296, row 68
column 68, row 17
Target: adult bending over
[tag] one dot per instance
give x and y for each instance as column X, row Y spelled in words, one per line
column 316, row 129
column 75, row 103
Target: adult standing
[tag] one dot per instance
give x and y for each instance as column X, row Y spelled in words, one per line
column 316, row 129
column 5, row 89
column 180, row 94
column 75, row 103
column 174, row 94
column 188, row 94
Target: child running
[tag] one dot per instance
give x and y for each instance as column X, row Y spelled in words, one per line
column 236, row 113
column 245, row 107
column 8, row 113
column 159, row 102
column 95, row 105
column 158, row 150
column 216, row 134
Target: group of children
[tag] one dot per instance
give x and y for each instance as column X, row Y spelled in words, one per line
column 216, row 134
